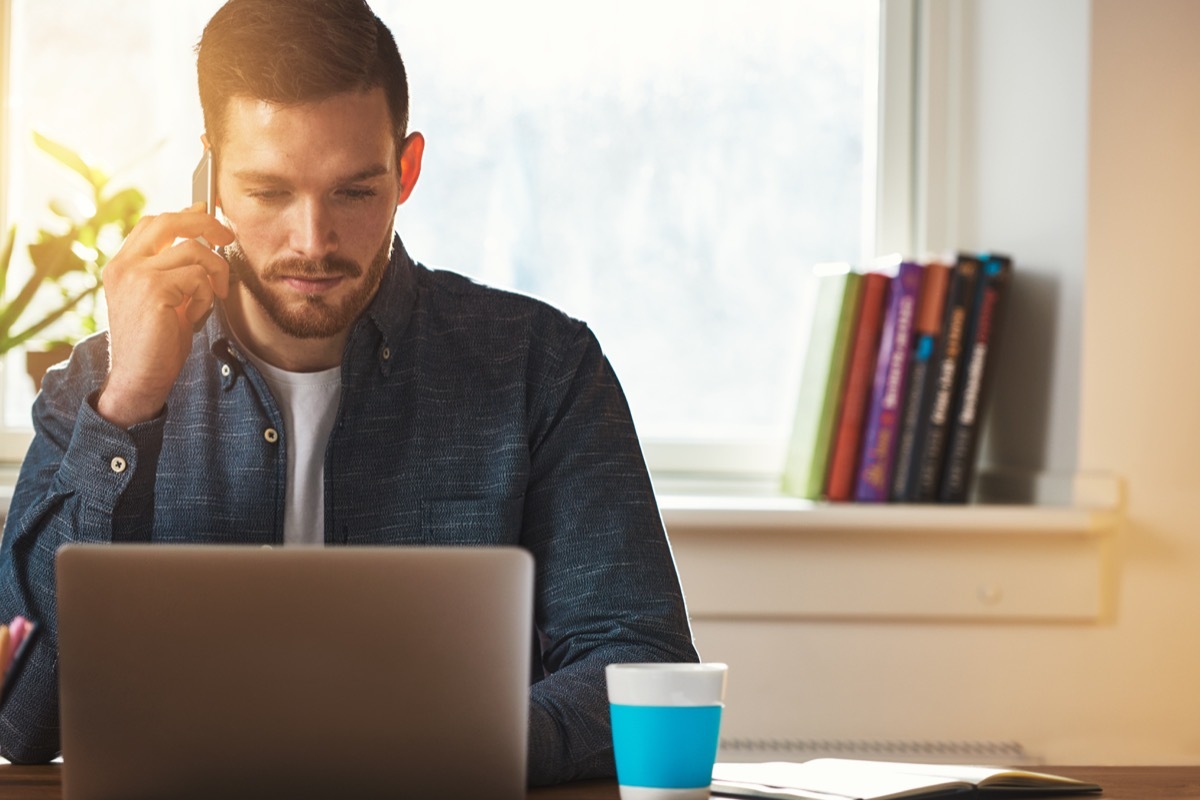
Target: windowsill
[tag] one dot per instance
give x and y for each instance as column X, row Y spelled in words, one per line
column 1063, row 505
column 731, row 513
column 750, row 554
column 8, row 482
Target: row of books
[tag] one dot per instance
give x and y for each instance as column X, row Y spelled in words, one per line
column 895, row 380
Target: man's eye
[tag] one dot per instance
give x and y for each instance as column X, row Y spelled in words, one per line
column 357, row 194
column 267, row 195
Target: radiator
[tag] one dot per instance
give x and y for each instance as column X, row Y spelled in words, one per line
column 946, row 752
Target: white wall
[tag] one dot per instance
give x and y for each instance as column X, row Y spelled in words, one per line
column 1140, row 378
column 1083, row 160
column 1023, row 187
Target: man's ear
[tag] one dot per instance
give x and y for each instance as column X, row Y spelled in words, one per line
column 410, row 164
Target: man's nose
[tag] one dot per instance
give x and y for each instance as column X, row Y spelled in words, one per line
column 313, row 233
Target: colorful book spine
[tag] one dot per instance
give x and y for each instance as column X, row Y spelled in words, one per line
column 960, row 296
column 920, row 386
column 821, row 383
column 844, row 459
column 959, row 471
column 891, row 373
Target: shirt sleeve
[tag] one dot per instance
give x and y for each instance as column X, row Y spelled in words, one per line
column 82, row 480
column 607, row 587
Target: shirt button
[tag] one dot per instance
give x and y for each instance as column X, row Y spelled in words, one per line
column 387, row 353
column 118, row 464
column 225, row 370
column 271, row 435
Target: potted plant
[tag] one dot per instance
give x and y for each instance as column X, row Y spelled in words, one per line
column 64, row 284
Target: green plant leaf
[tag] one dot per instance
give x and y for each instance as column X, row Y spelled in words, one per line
column 53, row 257
column 62, row 209
column 6, row 258
column 68, row 157
column 69, row 262
column 124, row 207
column 86, row 235
column 9, row 342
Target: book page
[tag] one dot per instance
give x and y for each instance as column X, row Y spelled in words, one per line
column 982, row 776
column 835, row 779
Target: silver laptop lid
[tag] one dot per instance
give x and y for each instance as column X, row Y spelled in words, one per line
column 202, row 671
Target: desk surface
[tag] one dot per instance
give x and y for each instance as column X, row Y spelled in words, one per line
column 1120, row 783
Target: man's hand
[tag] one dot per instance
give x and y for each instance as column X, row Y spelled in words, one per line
column 159, row 285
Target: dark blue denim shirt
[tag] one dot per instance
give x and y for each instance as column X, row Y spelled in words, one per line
column 468, row 416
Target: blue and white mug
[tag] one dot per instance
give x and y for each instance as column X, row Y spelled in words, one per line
column 666, row 721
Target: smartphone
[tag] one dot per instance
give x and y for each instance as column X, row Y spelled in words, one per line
column 202, row 191
column 202, row 185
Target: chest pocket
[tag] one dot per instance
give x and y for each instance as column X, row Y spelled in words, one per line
column 472, row 521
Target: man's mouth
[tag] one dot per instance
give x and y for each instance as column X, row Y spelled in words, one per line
column 311, row 285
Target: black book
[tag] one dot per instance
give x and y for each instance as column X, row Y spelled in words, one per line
column 960, row 297
column 926, row 333
column 974, row 378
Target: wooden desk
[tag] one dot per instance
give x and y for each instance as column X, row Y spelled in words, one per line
column 1120, row 783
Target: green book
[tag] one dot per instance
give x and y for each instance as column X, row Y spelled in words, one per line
column 821, row 383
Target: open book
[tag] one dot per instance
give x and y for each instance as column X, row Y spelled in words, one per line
column 847, row 779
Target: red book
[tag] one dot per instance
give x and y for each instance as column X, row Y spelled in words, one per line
column 860, row 375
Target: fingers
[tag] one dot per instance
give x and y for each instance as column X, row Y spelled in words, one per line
column 153, row 234
column 183, row 287
column 199, row 303
column 189, row 252
column 184, row 254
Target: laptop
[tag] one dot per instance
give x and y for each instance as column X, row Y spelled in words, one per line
column 197, row 671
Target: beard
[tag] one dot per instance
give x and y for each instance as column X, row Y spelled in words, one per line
column 311, row 316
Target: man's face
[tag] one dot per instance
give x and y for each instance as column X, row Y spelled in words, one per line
column 310, row 192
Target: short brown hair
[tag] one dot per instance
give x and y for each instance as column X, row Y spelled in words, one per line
column 297, row 51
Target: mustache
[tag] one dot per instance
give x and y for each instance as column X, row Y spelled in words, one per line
column 328, row 267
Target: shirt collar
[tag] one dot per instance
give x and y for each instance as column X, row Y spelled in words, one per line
column 391, row 308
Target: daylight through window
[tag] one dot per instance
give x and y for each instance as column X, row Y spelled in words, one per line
column 666, row 171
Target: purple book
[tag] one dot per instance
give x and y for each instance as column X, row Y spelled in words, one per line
column 887, row 393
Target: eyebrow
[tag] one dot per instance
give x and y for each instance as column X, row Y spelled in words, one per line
column 258, row 176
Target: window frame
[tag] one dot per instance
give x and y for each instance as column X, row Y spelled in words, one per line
column 893, row 188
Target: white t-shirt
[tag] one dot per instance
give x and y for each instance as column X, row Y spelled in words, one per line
column 309, row 403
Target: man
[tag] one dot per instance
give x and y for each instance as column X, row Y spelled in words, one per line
column 338, row 393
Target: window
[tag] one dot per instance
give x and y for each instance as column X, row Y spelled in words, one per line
column 667, row 171
column 111, row 80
